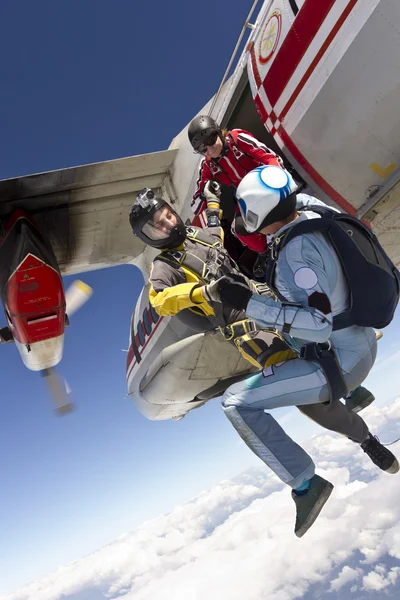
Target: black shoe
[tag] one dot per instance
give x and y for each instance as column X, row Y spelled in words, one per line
column 359, row 399
column 380, row 455
column 309, row 505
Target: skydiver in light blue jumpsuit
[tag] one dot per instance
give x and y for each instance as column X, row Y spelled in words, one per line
column 309, row 274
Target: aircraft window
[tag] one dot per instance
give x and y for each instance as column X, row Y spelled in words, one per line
column 146, row 321
column 136, row 351
column 294, row 7
column 134, row 343
column 143, row 330
column 140, row 333
column 154, row 315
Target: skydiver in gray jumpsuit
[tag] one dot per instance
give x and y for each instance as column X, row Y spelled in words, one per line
column 309, row 274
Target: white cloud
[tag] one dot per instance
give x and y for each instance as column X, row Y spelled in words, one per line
column 346, row 575
column 236, row 540
column 379, row 578
column 353, row 588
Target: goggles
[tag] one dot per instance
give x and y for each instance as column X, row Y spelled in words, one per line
column 210, row 141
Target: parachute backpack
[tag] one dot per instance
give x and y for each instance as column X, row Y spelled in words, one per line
column 373, row 279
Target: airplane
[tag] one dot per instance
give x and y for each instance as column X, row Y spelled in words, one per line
column 313, row 87
column 318, row 82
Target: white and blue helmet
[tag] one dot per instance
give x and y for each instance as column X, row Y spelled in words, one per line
column 265, row 196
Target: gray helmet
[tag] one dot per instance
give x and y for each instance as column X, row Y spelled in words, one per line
column 200, row 129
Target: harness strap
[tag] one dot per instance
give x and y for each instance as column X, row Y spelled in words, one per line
column 261, row 347
column 324, row 224
column 199, row 235
column 206, row 271
column 343, row 320
column 238, row 329
column 186, row 260
column 327, row 360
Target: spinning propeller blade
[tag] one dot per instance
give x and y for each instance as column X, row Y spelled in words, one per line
column 59, row 391
column 76, row 296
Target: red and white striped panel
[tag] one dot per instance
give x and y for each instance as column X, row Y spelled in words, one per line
column 291, row 59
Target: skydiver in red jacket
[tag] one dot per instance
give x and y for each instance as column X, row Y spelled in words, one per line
column 228, row 157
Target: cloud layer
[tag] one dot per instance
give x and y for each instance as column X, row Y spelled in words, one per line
column 236, row 540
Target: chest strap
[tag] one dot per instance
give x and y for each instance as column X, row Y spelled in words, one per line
column 203, row 237
column 205, row 271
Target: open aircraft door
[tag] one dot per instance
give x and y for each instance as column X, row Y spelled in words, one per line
column 84, row 210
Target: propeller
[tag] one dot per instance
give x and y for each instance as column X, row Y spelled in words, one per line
column 59, row 390
column 76, row 296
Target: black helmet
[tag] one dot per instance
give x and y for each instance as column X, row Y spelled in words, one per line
column 155, row 222
column 200, row 130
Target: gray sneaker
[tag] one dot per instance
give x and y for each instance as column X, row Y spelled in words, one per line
column 358, row 399
column 309, row 505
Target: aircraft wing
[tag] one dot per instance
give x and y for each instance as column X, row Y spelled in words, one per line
column 84, row 210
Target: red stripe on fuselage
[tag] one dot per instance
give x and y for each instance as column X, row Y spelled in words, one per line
column 305, row 27
column 309, row 20
column 318, row 57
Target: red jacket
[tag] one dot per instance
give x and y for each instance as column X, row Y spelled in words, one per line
column 243, row 153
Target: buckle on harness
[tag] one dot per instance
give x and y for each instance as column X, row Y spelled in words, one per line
column 211, row 271
column 315, row 351
column 177, row 255
column 261, row 288
column 273, row 247
column 235, row 330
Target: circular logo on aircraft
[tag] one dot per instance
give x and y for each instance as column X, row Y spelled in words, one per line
column 270, row 37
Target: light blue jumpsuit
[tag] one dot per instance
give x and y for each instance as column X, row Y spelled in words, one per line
column 307, row 264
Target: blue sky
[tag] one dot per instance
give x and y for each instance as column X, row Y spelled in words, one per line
column 83, row 82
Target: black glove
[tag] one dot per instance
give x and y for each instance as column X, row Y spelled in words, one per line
column 211, row 292
column 234, row 291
